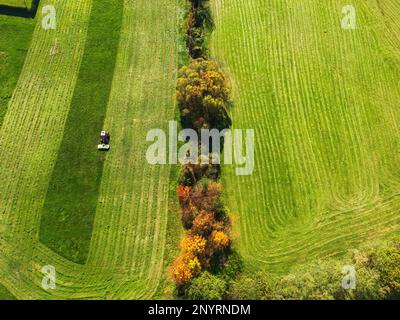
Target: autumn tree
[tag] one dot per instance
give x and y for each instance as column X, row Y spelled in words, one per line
column 203, row 96
column 206, row 195
column 189, row 213
column 193, row 173
column 185, row 267
column 220, row 240
column 203, row 99
column 183, row 194
column 203, row 224
column 195, row 244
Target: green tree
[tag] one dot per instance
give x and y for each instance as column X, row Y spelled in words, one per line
column 321, row 280
column 255, row 286
column 386, row 262
column 206, row 287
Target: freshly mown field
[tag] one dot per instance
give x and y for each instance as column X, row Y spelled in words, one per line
column 70, row 206
column 5, row 294
column 123, row 222
column 14, row 43
column 324, row 103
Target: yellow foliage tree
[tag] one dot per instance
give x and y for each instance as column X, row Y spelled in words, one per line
column 184, row 268
column 194, row 244
column 203, row 96
column 220, row 240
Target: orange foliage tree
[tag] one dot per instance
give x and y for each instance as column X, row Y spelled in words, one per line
column 203, row 223
column 183, row 193
column 184, row 268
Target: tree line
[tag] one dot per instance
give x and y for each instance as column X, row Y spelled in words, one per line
column 203, row 99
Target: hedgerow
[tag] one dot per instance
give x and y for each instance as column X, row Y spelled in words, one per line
column 203, row 99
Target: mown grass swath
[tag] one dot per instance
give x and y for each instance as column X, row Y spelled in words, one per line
column 130, row 247
column 30, row 136
column 5, row 294
column 324, row 105
column 16, row 34
column 70, row 206
column 134, row 206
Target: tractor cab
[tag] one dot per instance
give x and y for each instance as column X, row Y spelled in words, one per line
column 105, row 141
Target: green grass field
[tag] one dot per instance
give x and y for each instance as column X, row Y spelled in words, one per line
column 71, row 200
column 5, row 294
column 14, row 44
column 135, row 228
column 323, row 102
column 324, row 105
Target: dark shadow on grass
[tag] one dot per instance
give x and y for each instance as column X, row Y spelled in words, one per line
column 19, row 11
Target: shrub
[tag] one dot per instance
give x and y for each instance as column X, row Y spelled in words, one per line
column 183, row 194
column 193, row 173
column 198, row 25
column 232, row 267
column 206, row 287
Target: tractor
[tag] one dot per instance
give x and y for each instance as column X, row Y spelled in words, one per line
column 105, row 141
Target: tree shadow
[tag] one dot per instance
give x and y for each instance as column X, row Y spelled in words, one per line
column 20, row 12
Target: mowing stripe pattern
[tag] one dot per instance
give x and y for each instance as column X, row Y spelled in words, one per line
column 127, row 255
column 31, row 135
column 14, row 43
column 324, row 105
column 131, row 218
column 68, row 214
